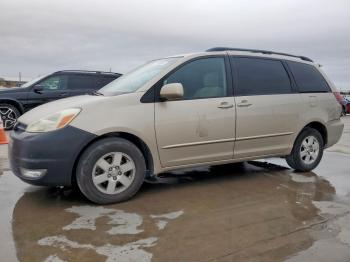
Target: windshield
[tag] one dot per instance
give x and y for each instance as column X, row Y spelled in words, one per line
column 29, row 83
column 135, row 79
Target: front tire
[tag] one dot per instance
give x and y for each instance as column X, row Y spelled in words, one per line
column 307, row 151
column 9, row 115
column 111, row 170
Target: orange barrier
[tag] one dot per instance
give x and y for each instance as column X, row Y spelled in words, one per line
column 3, row 137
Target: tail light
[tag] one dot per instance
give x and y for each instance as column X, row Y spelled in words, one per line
column 338, row 96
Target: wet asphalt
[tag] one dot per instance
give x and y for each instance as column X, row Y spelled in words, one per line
column 253, row 211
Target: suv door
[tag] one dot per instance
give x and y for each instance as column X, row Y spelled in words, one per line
column 201, row 126
column 50, row 88
column 268, row 108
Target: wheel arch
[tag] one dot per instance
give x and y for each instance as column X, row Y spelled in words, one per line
column 320, row 128
column 146, row 152
column 14, row 103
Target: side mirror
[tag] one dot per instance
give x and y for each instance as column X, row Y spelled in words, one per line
column 38, row 89
column 172, row 91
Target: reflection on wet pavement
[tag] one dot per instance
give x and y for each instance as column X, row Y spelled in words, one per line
column 259, row 210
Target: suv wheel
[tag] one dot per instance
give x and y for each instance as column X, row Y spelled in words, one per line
column 307, row 150
column 111, row 170
column 9, row 115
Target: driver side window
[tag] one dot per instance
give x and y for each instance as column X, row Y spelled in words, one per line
column 54, row 83
column 202, row 78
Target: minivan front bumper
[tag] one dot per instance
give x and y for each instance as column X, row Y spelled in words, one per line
column 46, row 158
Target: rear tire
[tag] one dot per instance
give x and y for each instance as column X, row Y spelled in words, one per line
column 307, row 151
column 9, row 115
column 111, row 170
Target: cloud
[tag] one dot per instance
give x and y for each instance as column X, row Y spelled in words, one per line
column 41, row 36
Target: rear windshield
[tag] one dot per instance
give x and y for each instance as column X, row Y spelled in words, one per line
column 135, row 79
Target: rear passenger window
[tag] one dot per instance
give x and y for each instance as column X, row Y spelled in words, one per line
column 104, row 80
column 257, row 76
column 83, row 82
column 308, row 78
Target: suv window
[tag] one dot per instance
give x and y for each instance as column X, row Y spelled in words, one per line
column 257, row 76
column 104, row 80
column 308, row 78
column 202, row 78
column 56, row 82
column 83, row 82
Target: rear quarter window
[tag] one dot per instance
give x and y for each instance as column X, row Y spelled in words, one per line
column 104, row 80
column 308, row 78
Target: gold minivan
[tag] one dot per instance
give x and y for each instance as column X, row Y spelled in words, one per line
column 220, row 106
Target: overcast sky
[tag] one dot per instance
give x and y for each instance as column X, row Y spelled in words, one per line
column 41, row 36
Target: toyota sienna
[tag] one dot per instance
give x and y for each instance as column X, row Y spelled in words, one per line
column 220, row 106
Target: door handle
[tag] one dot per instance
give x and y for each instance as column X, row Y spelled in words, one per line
column 244, row 103
column 63, row 93
column 224, row 105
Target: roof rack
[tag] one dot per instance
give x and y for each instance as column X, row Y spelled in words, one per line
column 87, row 71
column 256, row 51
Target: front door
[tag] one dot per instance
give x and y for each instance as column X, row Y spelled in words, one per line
column 201, row 126
column 49, row 89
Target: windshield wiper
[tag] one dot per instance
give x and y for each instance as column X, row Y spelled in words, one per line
column 97, row 93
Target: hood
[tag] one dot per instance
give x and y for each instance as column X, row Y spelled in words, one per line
column 58, row 105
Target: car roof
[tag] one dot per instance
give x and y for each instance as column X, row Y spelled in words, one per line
column 266, row 52
column 251, row 52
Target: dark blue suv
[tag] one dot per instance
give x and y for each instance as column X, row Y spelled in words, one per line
column 15, row 101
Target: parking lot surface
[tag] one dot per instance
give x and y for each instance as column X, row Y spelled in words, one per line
column 254, row 211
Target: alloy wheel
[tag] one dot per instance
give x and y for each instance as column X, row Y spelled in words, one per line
column 8, row 117
column 309, row 150
column 113, row 173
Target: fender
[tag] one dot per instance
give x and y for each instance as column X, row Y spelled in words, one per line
column 13, row 102
column 150, row 145
column 319, row 125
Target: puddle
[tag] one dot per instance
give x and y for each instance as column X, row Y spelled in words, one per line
column 87, row 216
column 324, row 250
column 334, row 245
column 163, row 218
column 11, row 189
column 53, row 258
column 123, row 224
column 129, row 252
column 127, row 223
column 235, row 212
column 302, row 178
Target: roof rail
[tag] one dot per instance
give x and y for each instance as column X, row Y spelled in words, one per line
column 87, row 71
column 256, row 51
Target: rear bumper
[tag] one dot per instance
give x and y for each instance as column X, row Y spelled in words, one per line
column 54, row 151
column 334, row 131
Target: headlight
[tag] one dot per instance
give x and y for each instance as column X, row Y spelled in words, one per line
column 54, row 121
